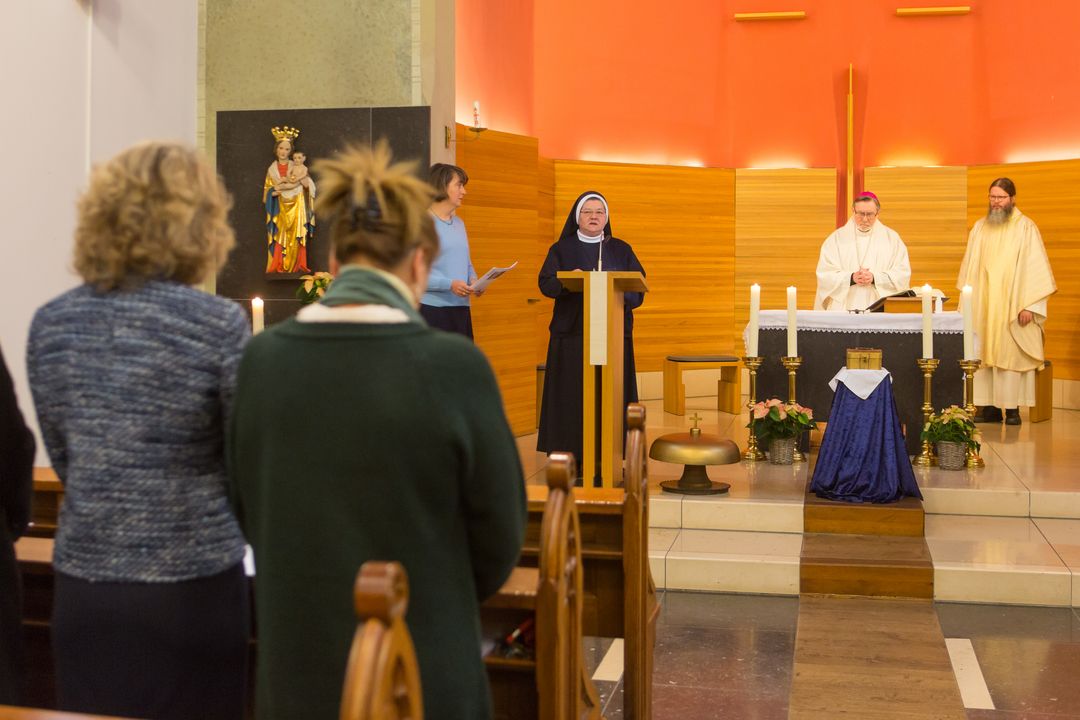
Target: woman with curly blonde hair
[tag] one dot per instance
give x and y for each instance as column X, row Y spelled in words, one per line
column 406, row 455
column 132, row 374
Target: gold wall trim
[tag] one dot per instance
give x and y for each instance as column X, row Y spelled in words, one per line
column 929, row 11
column 785, row 15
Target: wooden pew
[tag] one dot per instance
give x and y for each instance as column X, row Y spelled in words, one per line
column 45, row 505
column 554, row 685
column 618, row 600
column 619, row 593
column 8, row 712
column 382, row 680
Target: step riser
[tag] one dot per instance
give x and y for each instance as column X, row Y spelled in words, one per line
column 821, row 579
column 907, row 523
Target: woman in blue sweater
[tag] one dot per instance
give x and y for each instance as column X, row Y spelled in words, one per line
column 445, row 305
column 132, row 375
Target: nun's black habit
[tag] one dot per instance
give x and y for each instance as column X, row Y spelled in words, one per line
column 560, row 410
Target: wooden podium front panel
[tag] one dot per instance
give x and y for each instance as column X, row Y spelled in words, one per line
column 607, row 384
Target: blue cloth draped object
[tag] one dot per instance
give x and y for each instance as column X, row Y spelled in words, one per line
column 863, row 457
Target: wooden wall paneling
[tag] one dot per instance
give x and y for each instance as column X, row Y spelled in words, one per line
column 500, row 213
column 781, row 218
column 927, row 206
column 547, row 233
column 1048, row 193
column 680, row 222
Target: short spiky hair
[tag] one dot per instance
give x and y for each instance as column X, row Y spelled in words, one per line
column 377, row 208
column 155, row 211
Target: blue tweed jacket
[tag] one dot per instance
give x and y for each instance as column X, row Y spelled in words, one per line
column 132, row 389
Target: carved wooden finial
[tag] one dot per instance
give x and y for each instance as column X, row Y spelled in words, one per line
column 381, row 591
column 561, row 471
column 635, row 416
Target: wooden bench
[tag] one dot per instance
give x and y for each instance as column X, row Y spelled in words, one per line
column 619, row 594
column 45, row 506
column 729, row 390
column 555, row 684
column 1043, row 409
column 382, row 679
column 7, row 712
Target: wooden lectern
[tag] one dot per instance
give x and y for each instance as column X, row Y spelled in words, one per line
column 894, row 304
column 602, row 400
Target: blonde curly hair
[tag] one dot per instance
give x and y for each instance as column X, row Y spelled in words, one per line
column 377, row 208
column 155, row 211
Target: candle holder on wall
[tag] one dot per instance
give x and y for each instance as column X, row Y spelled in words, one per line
column 448, row 134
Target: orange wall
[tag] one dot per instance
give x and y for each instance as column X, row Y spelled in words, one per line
column 493, row 56
column 682, row 83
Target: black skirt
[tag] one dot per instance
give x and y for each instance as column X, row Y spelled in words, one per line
column 456, row 319
column 153, row 650
column 560, row 408
column 11, row 637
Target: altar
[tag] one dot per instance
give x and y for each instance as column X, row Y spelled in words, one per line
column 823, row 340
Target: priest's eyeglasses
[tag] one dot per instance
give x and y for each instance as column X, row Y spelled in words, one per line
column 866, row 215
column 999, row 198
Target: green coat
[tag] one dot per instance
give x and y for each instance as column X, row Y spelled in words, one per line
column 355, row 442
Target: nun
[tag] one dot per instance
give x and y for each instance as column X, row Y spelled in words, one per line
column 585, row 243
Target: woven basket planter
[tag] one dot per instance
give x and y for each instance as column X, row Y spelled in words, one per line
column 951, row 455
column 782, row 451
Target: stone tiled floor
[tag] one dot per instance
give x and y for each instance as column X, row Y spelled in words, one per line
column 724, row 655
column 731, row 656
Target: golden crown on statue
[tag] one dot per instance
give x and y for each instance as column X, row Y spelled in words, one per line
column 284, row 133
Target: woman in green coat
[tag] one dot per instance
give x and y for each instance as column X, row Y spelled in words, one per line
column 361, row 434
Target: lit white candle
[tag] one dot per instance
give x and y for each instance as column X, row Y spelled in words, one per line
column 755, row 310
column 476, row 113
column 792, row 329
column 927, row 323
column 969, row 323
column 256, row 315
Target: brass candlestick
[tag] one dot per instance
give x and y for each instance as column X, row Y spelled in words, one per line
column 928, row 366
column 753, row 453
column 792, row 364
column 969, row 367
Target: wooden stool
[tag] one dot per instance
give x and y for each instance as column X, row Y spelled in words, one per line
column 1044, row 394
column 729, row 390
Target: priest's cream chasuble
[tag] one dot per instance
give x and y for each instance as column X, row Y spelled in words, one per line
column 881, row 251
column 1008, row 270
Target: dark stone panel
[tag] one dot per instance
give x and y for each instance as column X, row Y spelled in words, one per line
column 755, row 664
column 246, row 149
column 1028, row 656
column 719, row 610
column 672, row 702
column 408, row 130
column 969, row 620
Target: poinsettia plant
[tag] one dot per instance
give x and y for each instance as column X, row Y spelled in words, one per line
column 953, row 424
column 777, row 419
column 313, row 287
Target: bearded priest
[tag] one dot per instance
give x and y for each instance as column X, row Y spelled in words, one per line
column 1010, row 276
column 862, row 261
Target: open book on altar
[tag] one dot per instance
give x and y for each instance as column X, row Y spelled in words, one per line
column 907, row 301
column 490, row 276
